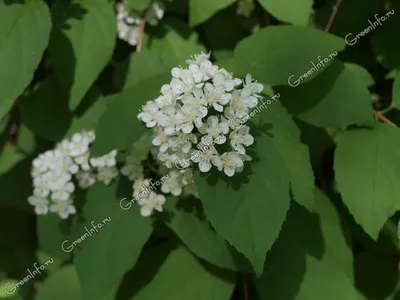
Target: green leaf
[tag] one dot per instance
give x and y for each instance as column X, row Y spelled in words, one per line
column 367, row 171
column 249, row 210
column 51, row 232
column 201, row 10
column 62, row 284
column 24, row 35
column 311, row 259
column 81, row 44
column 269, row 57
column 182, row 276
column 396, row 91
column 286, row 137
column 197, row 234
column 119, row 126
column 15, row 167
column 290, row 11
column 88, row 118
column 177, row 42
column 138, row 5
column 116, row 246
column 46, row 112
column 361, row 73
column 385, row 47
column 334, row 99
column 376, row 275
column 139, row 66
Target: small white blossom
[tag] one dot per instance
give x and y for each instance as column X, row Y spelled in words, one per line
column 41, row 204
column 240, row 138
column 230, row 161
column 107, row 174
column 151, row 202
column 63, row 208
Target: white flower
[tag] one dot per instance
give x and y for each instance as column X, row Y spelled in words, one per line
column 41, row 204
column 83, row 162
column 167, row 159
column 225, row 81
column 85, row 179
column 196, row 100
column 79, row 144
column 173, row 184
column 64, row 192
column 182, row 142
column 171, row 119
column 241, row 137
column 230, row 161
column 206, row 158
column 107, row 174
column 152, row 202
column 150, row 114
column 63, row 208
column 213, row 128
column 199, row 58
column 216, row 96
column 161, row 139
column 108, row 160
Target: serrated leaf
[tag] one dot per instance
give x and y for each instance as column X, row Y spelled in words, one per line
column 81, row 44
column 367, row 171
column 202, row 10
column 24, row 34
column 62, row 284
column 311, row 259
column 286, row 137
column 191, row 280
column 119, row 126
column 290, row 11
column 249, row 209
column 336, row 98
column 269, row 57
column 197, row 234
column 116, row 246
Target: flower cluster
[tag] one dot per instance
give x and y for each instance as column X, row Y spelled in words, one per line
column 54, row 170
column 144, row 189
column 128, row 21
column 196, row 109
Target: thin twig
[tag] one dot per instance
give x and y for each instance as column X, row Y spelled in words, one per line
column 141, row 34
column 335, row 9
column 383, row 118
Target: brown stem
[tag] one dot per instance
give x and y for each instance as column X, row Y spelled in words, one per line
column 381, row 117
column 335, row 9
column 141, row 34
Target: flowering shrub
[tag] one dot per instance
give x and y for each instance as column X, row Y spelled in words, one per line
column 199, row 149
